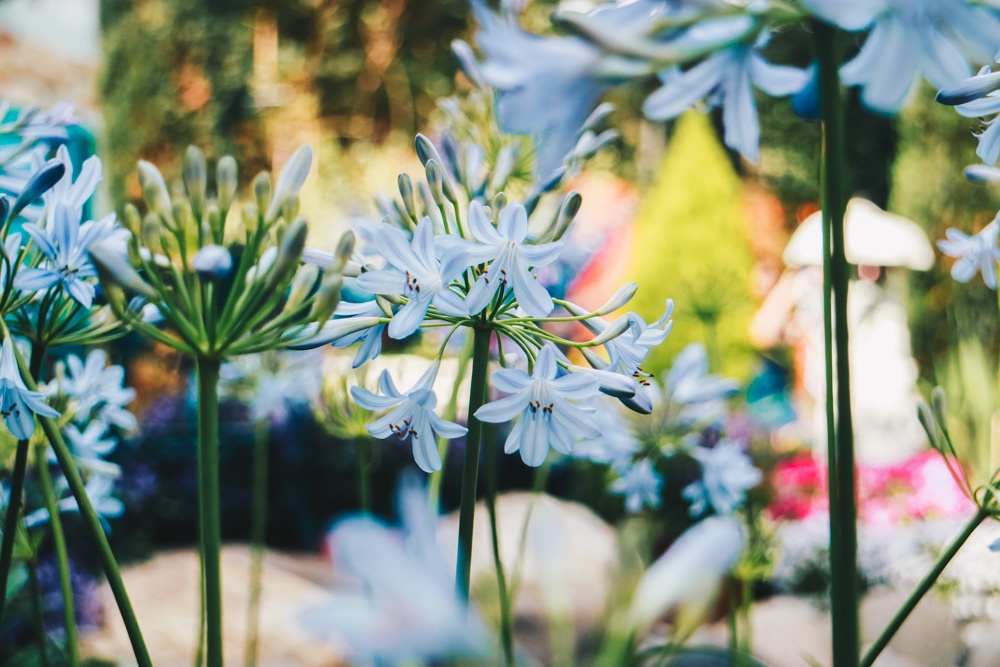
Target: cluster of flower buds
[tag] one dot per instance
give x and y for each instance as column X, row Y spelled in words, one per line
column 222, row 279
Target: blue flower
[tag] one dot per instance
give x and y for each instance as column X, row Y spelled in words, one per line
column 90, row 446
column 73, row 192
column 99, row 488
column 615, row 446
column 412, row 416
column 18, row 404
column 371, row 338
column 701, row 396
column 547, row 417
column 975, row 253
column 415, row 273
column 978, row 97
column 641, row 485
column 65, row 247
column 509, row 256
column 212, row 262
column 726, row 79
column 406, row 609
column 936, row 38
column 726, row 475
column 548, row 85
column 93, row 385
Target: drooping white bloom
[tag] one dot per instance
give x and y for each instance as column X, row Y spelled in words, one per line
column 688, row 575
column 975, row 253
column 18, row 404
column 727, row 473
column 641, row 485
column 543, row 402
column 412, row 416
column 510, row 259
column 406, row 609
column 415, row 273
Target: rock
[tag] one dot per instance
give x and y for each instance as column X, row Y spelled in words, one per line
column 164, row 595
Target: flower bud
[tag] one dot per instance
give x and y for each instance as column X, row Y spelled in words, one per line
column 940, row 403
column 333, row 330
column 302, row 284
column 262, row 190
column 39, row 183
column 328, row 298
column 114, row 269
column 435, row 181
column 290, row 181
column 250, row 215
column 290, row 210
column 225, row 181
column 289, row 253
column 613, row 330
column 503, row 167
column 133, row 220
column 216, row 225
column 426, row 150
column 151, row 232
column 194, row 173
column 926, row 418
column 406, row 192
column 154, row 188
column 213, row 262
column 567, row 212
column 618, row 299
column 499, row 202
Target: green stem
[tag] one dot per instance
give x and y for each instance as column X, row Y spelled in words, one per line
column 506, row 624
column 732, row 624
column 207, row 370
column 843, row 517
column 258, row 533
column 38, row 613
column 11, row 518
column 922, row 588
column 59, row 541
column 745, row 607
column 364, row 455
column 470, row 468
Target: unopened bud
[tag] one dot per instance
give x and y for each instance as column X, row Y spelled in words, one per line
column 213, row 262
column 435, row 181
column 133, row 220
column 194, row 173
column 426, row 150
column 226, row 181
column 618, row 299
column 154, row 188
column 289, row 252
column 38, row 183
column 302, row 284
column 250, row 215
column 292, row 177
column 499, row 201
column 567, row 212
column 262, row 190
column 114, row 269
column 406, row 192
column 612, row 331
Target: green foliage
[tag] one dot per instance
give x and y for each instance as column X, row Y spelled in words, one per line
column 691, row 245
column 177, row 72
column 935, row 144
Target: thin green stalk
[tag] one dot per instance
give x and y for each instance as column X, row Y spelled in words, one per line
column 207, row 370
column 62, row 555
column 11, row 518
column 364, row 455
column 745, row 607
column 732, row 624
column 470, row 468
column 258, row 533
column 506, row 624
column 843, row 518
column 922, row 588
column 38, row 613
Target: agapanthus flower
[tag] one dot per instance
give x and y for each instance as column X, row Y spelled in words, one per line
column 935, row 38
column 727, row 473
column 979, row 97
column 92, row 443
column 699, row 395
column 726, row 79
column 99, row 489
column 615, row 446
column 412, row 416
column 415, row 273
column 65, row 245
column 544, row 403
column 18, row 404
column 274, row 384
column 509, row 257
column 406, row 608
column 975, row 253
column 74, row 192
column 641, row 485
column 371, row 337
column 94, row 385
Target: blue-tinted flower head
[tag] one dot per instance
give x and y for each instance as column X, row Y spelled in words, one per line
column 975, row 253
column 979, row 97
column 727, row 473
column 95, row 386
column 99, row 489
column 408, row 610
column 18, row 404
column 935, row 38
column 544, row 403
column 414, row 272
column 726, row 79
column 411, row 416
column 510, row 259
column 700, row 395
column 641, row 485
column 74, row 192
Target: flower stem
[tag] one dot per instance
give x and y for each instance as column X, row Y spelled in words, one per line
column 11, row 518
column 843, row 512
column 207, row 371
column 925, row 585
column 38, row 613
column 506, row 624
column 470, row 468
column 364, row 455
column 90, row 518
column 258, row 534
column 59, row 541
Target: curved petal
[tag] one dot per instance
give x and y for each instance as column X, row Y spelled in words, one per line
column 408, row 318
column 446, row 429
column 383, row 281
column 576, row 386
column 541, row 254
column 531, row 296
column 502, row 409
column 511, row 380
column 513, row 223
column 371, row 401
column 481, row 227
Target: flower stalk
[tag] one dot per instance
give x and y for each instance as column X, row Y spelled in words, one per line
column 207, row 372
column 14, row 507
column 258, row 534
column 843, row 511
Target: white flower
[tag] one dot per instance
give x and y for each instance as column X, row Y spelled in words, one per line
column 975, row 253
column 547, row 417
column 641, row 485
column 727, row 474
column 18, row 404
column 96, row 386
column 412, row 416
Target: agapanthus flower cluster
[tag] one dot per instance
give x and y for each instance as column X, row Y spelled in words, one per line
column 221, row 280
